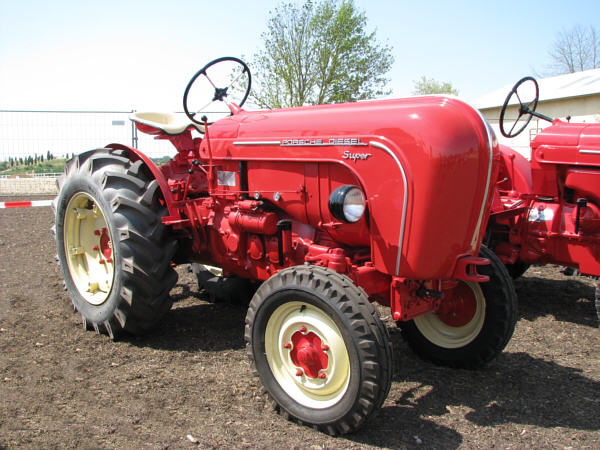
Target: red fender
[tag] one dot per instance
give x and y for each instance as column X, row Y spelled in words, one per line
column 156, row 172
column 518, row 170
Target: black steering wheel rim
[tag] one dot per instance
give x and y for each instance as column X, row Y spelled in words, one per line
column 220, row 92
column 524, row 109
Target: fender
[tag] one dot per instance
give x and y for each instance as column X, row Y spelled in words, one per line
column 156, row 172
column 518, row 170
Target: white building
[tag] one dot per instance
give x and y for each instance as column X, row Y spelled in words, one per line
column 575, row 94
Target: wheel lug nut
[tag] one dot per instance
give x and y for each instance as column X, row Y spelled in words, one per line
column 95, row 248
column 97, row 232
column 322, row 375
column 299, row 372
column 302, row 329
column 287, row 345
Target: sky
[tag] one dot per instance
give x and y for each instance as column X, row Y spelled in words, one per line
column 134, row 54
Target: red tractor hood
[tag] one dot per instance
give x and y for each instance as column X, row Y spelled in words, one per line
column 425, row 164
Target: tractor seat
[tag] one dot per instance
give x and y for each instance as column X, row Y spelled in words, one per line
column 157, row 123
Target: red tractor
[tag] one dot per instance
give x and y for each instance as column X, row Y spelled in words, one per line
column 547, row 211
column 321, row 210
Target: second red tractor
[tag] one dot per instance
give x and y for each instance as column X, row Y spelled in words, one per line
column 547, row 210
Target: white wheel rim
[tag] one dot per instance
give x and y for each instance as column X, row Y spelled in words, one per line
column 319, row 392
column 447, row 336
column 88, row 248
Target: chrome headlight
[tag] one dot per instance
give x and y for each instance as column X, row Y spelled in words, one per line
column 347, row 203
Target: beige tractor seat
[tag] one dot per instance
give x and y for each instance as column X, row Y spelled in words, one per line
column 163, row 123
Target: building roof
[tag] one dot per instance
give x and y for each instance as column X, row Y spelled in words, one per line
column 562, row 86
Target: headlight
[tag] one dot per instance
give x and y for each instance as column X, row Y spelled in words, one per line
column 347, row 203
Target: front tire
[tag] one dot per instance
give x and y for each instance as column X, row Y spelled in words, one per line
column 114, row 252
column 473, row 325
column 319, row 348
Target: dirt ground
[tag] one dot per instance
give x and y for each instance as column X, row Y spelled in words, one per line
column 63, row 387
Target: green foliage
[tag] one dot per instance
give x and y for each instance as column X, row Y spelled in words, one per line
column 162, row 160
column 425, row 86
column 31, row 164
column 319, row 52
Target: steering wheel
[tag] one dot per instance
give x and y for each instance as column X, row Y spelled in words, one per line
column 225, row 79
column 526, row 109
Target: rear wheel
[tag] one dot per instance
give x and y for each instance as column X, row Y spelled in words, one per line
column 233, row 289
column 114, row 251
column 319, row 348
column 474, row 322
column 517, row 269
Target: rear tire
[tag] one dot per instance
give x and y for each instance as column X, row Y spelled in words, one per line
column 233, row 289
column 319, row 348
column 114, row 252
column 452, row 340
column 517, row 269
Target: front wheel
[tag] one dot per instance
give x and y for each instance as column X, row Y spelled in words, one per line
column 473, row 324
column 319, row 348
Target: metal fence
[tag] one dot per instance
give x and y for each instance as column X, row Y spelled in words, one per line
column 64, row 133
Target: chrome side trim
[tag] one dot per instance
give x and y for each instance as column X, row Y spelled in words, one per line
column 257, row 143
column 309, row 142
column 405, row 205
column 590, row 152
column 491, row 137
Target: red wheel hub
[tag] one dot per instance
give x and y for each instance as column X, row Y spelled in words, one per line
column 459, row 306
column 308, row 353
column 105, row 244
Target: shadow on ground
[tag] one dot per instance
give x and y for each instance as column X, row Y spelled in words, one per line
column 569, row 299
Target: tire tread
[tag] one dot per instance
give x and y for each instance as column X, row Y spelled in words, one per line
column 375, row 344
column 143, row 241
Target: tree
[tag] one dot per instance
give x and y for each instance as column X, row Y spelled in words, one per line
column 425, row 86
column 319, row 53
column 575, row 50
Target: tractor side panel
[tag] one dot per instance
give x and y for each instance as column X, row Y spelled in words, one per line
column 282, row 184
column 301, row 190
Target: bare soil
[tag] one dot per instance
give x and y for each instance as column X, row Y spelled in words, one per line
column 189, row 379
